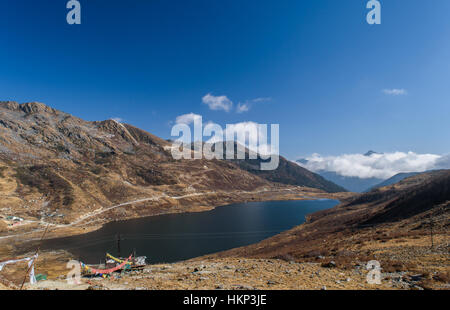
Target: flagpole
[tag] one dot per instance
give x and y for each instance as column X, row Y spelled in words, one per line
column 37, row 250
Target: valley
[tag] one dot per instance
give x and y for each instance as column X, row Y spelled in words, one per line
column 67, row 173
column 72, row 177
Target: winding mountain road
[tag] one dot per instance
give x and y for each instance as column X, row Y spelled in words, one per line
column 103, row 210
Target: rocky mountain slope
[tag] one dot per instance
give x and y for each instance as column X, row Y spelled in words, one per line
column 354, row 184
column 290, row 173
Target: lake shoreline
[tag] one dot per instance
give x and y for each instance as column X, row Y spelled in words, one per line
column 173, row 238
column 22, row 245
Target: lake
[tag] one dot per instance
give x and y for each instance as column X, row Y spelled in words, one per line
column 175, row 237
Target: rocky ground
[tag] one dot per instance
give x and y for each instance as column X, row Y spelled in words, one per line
column 421, row 268
column 229, row 274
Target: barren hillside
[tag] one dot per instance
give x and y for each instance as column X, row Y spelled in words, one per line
column 392, row 224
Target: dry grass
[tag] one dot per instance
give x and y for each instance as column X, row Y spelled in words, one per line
column 51, row 264
column 231, row 274
column 443, row 277
column 3, row 226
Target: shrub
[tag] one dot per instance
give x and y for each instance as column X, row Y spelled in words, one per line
column 442, row 277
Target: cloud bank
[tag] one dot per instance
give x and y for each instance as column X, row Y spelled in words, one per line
column 382, row 166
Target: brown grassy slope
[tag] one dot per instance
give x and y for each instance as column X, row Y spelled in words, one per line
column 361, row 229
column 3, row 226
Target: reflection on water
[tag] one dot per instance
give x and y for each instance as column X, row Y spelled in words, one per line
column 175, row 237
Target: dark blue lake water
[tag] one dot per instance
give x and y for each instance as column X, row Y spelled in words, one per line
column 175, row 237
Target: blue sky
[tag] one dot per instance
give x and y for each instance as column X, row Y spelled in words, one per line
column 329, row 75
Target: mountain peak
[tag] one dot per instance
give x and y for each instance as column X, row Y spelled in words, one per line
column 370, row 153
column 10, row 105
column 36, row 107
column 28, row 107
column 302, row 161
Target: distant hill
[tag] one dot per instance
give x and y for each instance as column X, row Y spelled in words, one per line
column 287, row 172
column 409, row 197
column 353, row 184
column 392, row 180
column 290, row 173
column 370, row 153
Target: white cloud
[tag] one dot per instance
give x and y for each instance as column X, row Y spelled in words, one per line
column 395, row 91
column 188, row 118
column 242, row 107
column 381, row 166
column 245, row 107
column 262, row 99
column 218, row 102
